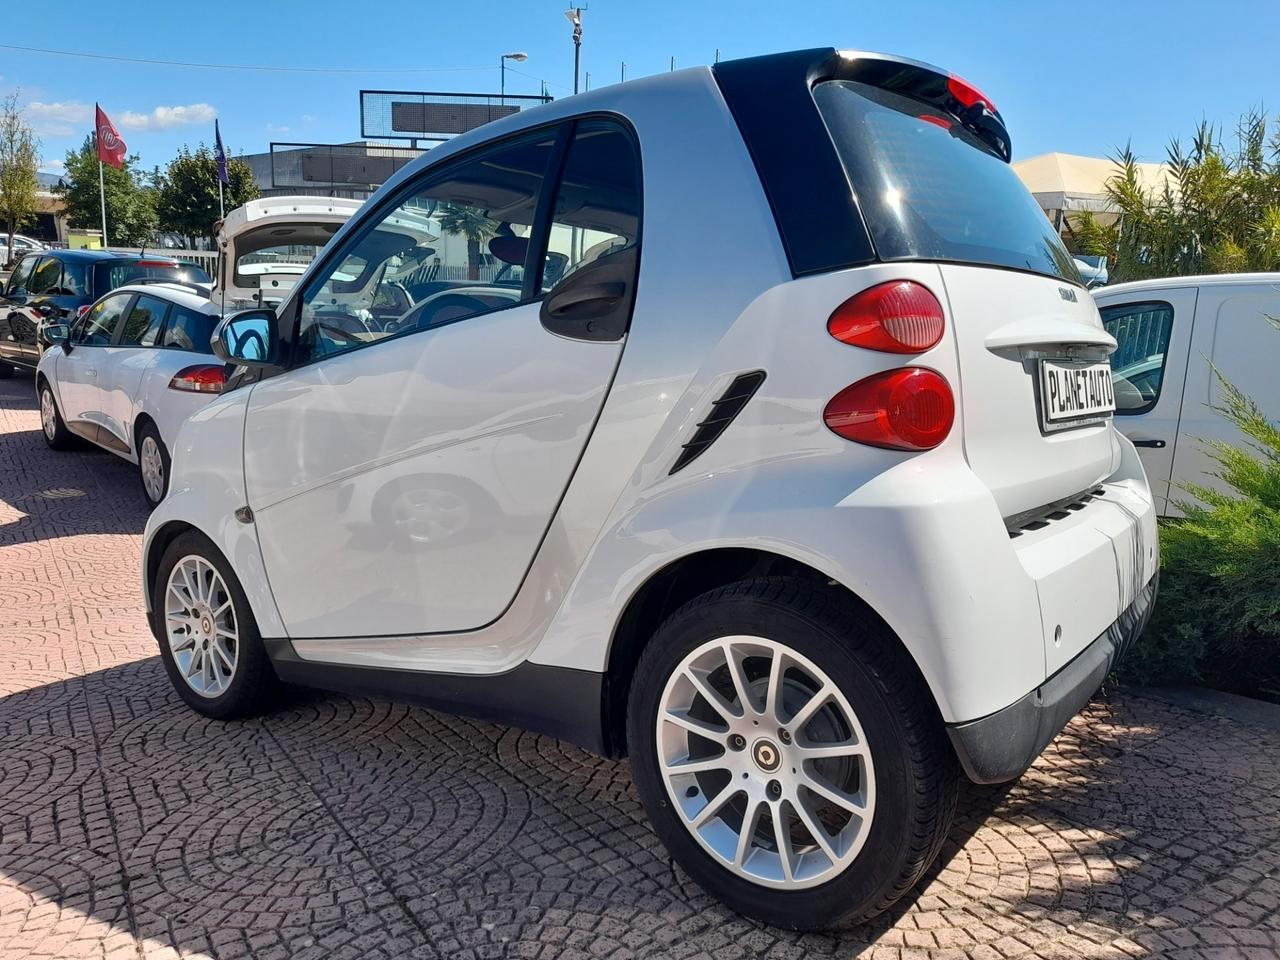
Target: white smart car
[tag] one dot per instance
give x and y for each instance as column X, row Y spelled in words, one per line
column 750, row 421
column 128, row 372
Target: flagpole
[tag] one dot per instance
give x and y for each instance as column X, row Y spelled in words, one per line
column 222, row 213
column 102, row 194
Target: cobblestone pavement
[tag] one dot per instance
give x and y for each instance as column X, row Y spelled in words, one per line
column 131, row 827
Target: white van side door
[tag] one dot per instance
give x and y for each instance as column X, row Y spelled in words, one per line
column 1153, row 331
column 1233, row 333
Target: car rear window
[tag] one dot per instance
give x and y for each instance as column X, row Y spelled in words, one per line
column 119, row 272
column 930, row 190
column 189, row 330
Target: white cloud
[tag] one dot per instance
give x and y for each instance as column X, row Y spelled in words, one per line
column 162, row 118
column 60, row 119
column 274, row 128
column 53, row 166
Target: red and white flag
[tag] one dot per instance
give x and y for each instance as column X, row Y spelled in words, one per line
column 111, row 147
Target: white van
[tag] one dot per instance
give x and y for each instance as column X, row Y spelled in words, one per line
column 1170, row 335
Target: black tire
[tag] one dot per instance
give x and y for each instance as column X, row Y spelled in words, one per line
column 253, row 685
column 149, row 430
column 60, row 438
column 916, row 774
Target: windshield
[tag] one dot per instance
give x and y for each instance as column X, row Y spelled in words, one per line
column 119, row 272
column 930, row 190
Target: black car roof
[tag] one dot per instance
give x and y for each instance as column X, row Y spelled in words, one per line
column 96, row 256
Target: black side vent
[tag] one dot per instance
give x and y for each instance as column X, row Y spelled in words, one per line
column 722, row 413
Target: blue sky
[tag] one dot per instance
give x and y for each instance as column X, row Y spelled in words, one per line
column 1082, row 78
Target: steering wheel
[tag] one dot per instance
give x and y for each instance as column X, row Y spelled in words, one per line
column 338, row 319
column 443, row 308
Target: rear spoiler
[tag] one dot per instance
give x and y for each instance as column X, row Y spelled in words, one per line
column 772, row 103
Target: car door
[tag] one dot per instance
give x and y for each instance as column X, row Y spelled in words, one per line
column 82, row 370
column 28, row 311
column 124, row 363
column 12, row 320
column 403, row 473
column 1149, row 367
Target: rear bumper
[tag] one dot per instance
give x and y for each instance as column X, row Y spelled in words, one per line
column 1001, row 746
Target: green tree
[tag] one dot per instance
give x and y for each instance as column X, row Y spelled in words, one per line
column 19, row 158
column 187, row 200
column 131, row 213
column 472, row 223
column 1218, row 210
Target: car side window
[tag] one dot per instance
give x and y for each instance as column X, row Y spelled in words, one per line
column 1137, row 366
column 143, row 325
column 597, row 205
column 189, row 330
column 452, row 249
column 75, row 280
column 99, row 325
column 21, row 277
column 46, row 276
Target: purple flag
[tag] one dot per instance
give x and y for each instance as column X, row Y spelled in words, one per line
column 220, row 153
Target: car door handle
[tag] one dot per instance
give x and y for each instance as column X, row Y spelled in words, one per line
column 1154, row 444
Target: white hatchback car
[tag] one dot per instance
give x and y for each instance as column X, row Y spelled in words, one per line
column 128, row 372
column 750, row 421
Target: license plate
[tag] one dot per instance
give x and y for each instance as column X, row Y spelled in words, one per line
column 1073, row 395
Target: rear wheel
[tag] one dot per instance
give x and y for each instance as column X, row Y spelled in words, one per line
column 153, row 465
column 788, row 754
column 208, row 638
column 52, row 425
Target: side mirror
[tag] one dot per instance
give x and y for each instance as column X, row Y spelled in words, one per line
column 247, row 338
column 55, row 334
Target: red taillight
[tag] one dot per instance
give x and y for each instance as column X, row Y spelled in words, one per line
column 897, row 317
column 910, row 408
column 81, row 311
column 968, row 94
column 199, row 378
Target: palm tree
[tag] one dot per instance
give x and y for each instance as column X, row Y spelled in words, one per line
column 474, row 224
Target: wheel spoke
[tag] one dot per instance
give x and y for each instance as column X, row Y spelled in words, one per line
column 739, row 676
column 782, row 836
column 815, row 829
column 709, row 693
column 197, row 658
column 713, row 807
column 750, row 821
column 838, row 797
column 811, row 706
column 821, row 751
column 184, row 642
column 703, row 729
column 701, row 765
column 225, row 606
column 223, row 656
column 773, row 695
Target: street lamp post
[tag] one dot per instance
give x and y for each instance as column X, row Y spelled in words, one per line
column 574, row 16
column 518, row 58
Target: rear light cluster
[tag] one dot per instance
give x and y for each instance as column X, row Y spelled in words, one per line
column 909, row 408
column 199, row 378
column 81, row 311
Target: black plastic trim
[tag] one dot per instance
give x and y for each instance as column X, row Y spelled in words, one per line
column 999, row 747
column 558, row 701
column 724, row 411
column 818, row 217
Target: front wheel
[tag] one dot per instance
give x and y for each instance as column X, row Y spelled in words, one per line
column 208, row 638
column 788, row 753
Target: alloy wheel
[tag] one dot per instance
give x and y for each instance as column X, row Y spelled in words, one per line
column 765, row 762
column 48, row 414
column 152, row 466
column 200, row 624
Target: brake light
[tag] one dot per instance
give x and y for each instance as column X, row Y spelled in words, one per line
column 81, row 311
column 968, row 94
column 910, row 408
column 900, row 316
column 200, row 378
column 157, row 263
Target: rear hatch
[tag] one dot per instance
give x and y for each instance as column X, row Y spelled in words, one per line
column 927, row 163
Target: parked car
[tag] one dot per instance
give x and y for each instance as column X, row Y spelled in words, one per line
column 21, row 245
column 127, row 373
column 265, row 245
column 1171, row 334
column 778, row 456
column 1093, row 269
column 57, row 286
